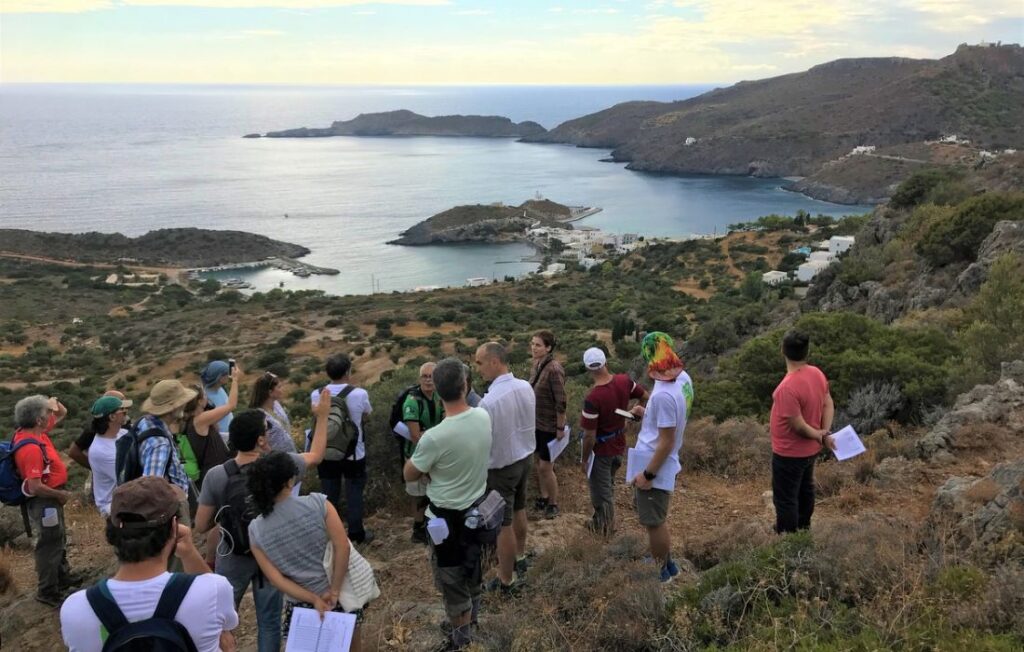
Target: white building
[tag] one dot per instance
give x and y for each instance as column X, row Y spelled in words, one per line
column 839, row 244
column 821, row 245
column 774, row 277
column 690, row 140
column 587, row 263
column 809, row 270
column 477, row 281
column 826, row 257
column 862, row 149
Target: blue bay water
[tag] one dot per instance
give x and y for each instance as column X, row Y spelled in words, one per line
column 135, row 158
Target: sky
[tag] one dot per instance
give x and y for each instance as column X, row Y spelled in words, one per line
column 475, row 42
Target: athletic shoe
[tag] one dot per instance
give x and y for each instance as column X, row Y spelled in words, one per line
column 496, row 585
column 521, row 566
column 673, row 570
column 540, row 504
column 49, row 600
column 551, row 511
column 666, row 575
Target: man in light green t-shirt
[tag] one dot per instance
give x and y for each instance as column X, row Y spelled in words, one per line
column 455, row 454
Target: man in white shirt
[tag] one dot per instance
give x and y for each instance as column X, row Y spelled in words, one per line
column 335, row 466
column 512, row 405
column 660, row 438
column 143, row 529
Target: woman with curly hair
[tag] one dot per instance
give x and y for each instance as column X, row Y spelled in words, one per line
column 290, row 537
column 266, row 397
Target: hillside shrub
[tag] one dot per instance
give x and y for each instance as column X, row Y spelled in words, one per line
column 924, row 186
column 955, row 236
column 735, row 448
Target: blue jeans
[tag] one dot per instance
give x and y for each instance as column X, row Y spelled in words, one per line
column 241, row 571
column 353, row 473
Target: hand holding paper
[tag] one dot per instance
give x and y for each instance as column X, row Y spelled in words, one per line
column 847, row 444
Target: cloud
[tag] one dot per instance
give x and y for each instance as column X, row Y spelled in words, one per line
column 472, row 12
column 80, row 6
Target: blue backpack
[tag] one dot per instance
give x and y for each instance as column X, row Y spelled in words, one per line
column 161, row 633
column 10, row 479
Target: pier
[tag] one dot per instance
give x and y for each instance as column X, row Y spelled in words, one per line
column 296, row 267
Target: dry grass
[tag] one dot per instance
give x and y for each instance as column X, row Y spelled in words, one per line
column 735, row 448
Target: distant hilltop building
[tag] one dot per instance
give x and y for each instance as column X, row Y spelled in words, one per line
column 477, row 281
column 862, row 149
column 690, row 140
column 774, row 277
column 826, row 252
column 954, row 139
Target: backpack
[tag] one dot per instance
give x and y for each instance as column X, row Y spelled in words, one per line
column 236, row 514
column 161, row 633
column 10, row 478
column 346, row 433
column 398, row 405
column 127, row 460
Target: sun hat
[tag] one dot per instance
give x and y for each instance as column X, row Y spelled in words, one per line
column 594, row 358
column 214, row 372
column 149, row 500
column 106, row 405
column 662, row 361
column 167, row 396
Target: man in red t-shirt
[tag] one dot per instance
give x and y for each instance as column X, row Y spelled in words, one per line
column 43, row 474
column 801, row 418
column 603, row 434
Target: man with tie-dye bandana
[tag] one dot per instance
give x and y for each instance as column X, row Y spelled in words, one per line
column 661, row 437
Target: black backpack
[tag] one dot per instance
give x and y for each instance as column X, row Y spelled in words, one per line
column 127, row 460
column 161, row 633
column 397, row 406
column 238, row 511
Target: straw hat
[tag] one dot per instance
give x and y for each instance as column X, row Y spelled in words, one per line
column 167, row 396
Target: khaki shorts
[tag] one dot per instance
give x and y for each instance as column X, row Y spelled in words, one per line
column 510, row 482
column 417, row 488
column 651, row 506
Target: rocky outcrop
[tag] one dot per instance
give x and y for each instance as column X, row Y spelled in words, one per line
column 486, row 223
column 981, row 518
column 407, row 123
column 1006, row 237
column 1001, row 404
column 881, row 302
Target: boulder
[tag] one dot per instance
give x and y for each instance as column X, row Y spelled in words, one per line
column 1001, row 403
column 982, row 518
column 1006, row 237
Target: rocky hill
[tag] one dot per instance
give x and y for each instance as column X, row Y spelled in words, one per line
column 485, row 223
column 407, row 123
column 163, row 247
column 795, row 124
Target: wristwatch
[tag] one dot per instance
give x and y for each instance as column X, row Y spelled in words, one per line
column 649, row 476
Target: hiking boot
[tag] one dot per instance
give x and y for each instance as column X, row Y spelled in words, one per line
column 49, row 600
column 365, row 537
column 497, row 586
column 551, row 511
column 419, row 533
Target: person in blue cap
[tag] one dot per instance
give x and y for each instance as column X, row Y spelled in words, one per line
column 214, row 376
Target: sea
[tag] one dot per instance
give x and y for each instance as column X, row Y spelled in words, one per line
column 132, row 158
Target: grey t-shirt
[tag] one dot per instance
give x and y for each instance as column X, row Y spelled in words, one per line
column 294, row 538
column 215, row 484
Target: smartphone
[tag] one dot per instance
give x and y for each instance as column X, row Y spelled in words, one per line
column 628, row 415
column 231, row 365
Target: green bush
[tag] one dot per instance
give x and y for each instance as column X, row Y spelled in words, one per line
column 956, row 236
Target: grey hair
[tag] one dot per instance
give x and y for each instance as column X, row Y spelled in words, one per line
column 29, row 410
column 450, row 379
column 495, row 350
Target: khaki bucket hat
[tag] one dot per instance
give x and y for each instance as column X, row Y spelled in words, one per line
column 167, row 396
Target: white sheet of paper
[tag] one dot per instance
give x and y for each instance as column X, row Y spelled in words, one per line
column 590, row 464
column 402, row 430
column 848, row 444
column 557, row 446
column 637, row 460
column 307, row 633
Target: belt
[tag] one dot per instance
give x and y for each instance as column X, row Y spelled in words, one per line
column 610, row 435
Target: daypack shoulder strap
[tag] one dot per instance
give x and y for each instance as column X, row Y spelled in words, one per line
column 173, row 594
column 231, row 468
column 25, row 441
column 104, row 607
column 345, row 392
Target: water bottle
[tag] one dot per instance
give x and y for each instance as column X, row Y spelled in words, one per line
column 473, row 518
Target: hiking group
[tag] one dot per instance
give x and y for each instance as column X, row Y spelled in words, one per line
column 193, row 468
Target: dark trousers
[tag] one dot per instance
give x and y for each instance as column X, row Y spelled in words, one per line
column 792, row 492
column 353, row 475
column 47, row 518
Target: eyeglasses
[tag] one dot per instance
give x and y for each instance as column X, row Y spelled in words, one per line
column 425, row 376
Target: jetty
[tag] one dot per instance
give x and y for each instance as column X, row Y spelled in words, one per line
column 292, row 265
column 577, row 213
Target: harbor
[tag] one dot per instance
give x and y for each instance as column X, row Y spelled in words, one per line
column 296, row 267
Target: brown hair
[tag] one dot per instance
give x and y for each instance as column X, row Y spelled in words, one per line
column 547, row 337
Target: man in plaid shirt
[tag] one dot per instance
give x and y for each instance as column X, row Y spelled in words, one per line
column 158, row 455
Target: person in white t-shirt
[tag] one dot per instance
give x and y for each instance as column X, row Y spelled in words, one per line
column 335, row 467
column 661, row 437
column 108, row 416
column 143, row 529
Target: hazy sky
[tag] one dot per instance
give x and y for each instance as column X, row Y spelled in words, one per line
column 475, row 42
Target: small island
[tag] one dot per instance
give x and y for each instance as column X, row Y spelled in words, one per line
column 407, row 123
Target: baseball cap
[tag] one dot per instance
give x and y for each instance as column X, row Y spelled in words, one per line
column 214, row 371
column 106, row 405
column 148, row 501
column 594, row 358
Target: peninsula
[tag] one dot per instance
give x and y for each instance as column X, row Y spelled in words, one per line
column 854, row 128
column 491, row 223
column 407, row 123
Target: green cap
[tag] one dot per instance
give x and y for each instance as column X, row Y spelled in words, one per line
column 107, row 405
